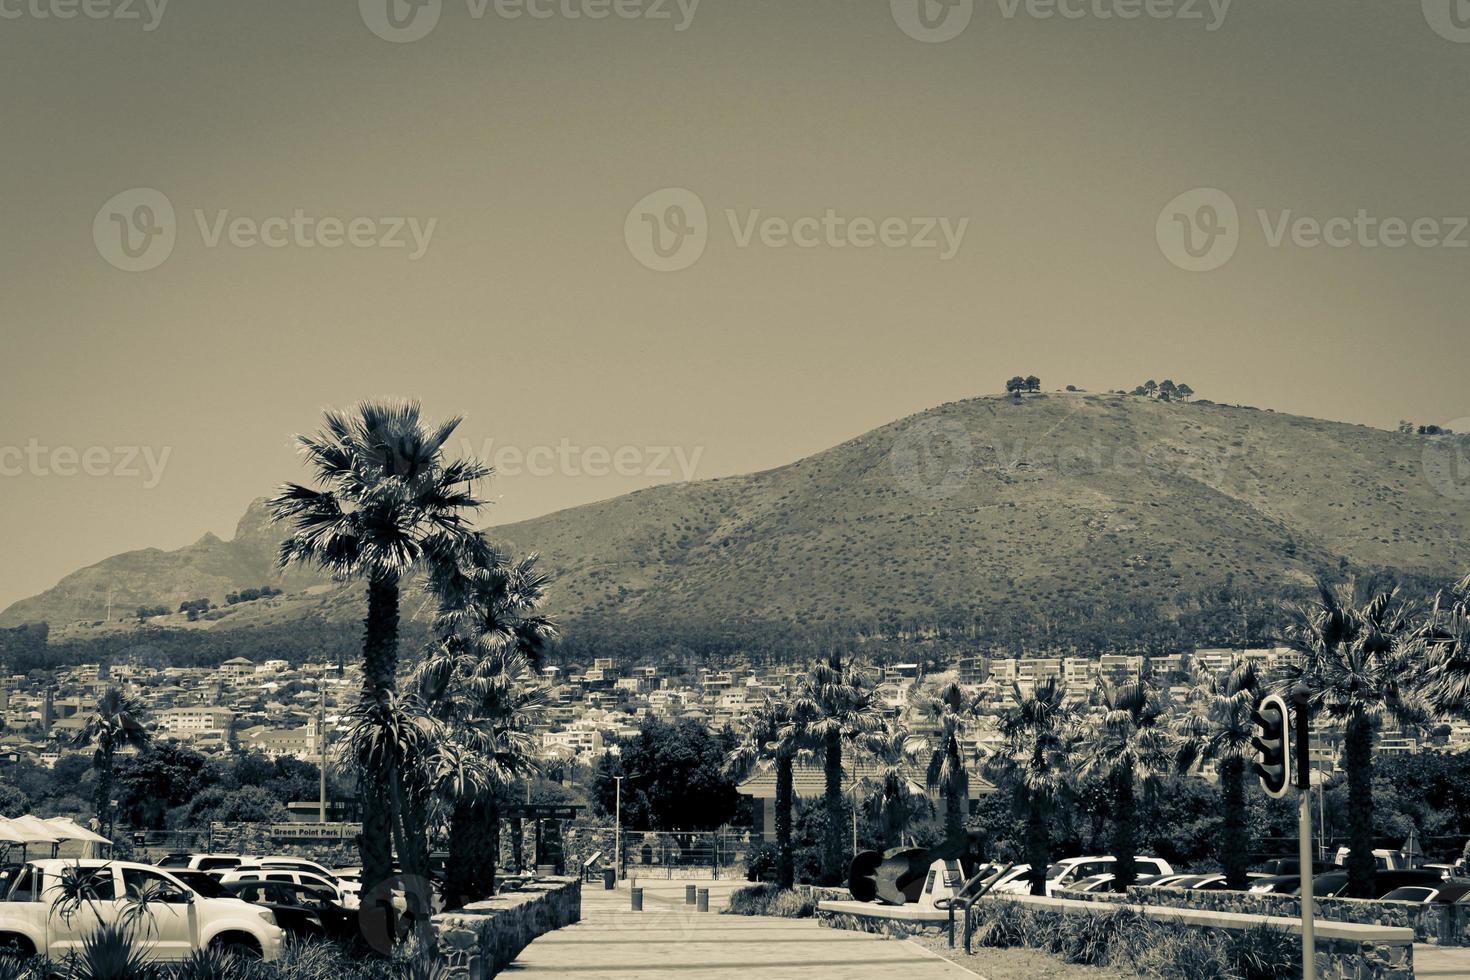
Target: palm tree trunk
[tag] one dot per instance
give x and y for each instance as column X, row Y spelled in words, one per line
column 1358, row 760
column 1234, row 836
column 379, row 677
column 785, row 860
column 956, row 802
column 103, row 798
column 832, row 842
column 474, row 845
column 1125, row 820
column 1038, row 843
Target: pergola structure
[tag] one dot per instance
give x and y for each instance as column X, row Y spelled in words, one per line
column 548, row 819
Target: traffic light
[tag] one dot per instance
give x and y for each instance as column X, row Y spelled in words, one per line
column 1273, row 746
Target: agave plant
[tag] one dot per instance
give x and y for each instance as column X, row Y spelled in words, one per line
column 211, row 963
column 110, row 953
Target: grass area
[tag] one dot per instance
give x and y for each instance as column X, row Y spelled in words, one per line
column 1118, row 943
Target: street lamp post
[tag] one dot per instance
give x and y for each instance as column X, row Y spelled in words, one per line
column 618, row 827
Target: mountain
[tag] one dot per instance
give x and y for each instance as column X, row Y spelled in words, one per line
column 151, row 577
column 995, row 510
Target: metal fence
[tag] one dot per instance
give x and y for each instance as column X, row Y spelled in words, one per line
column 660, row 854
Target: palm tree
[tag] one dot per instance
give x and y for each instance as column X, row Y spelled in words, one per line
column 387, row 501
column 953, row 711
column 115, row 723
column 1446, row 636
column 841, row 699
column 1358, row 666
column 1039, row 735
column 893, row 801
column 1218, row 729
column 1131, row 746
column 776, row 735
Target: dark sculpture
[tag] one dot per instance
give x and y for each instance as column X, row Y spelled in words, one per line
column 896, row 876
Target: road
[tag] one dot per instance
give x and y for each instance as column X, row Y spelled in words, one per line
column 668, row 937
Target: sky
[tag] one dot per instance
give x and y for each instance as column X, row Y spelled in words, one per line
column 221, row 217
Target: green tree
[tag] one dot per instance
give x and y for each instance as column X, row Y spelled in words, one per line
column 387, row 500
column 1446, row 638
column 893, row 802
column 953, row 712
column 1358, row 665
column 1039, row 736
column 1218, row 730
column 1131, row 747
column 674, row 777
column 840, row 698
column 774, row 737
column 116, row 722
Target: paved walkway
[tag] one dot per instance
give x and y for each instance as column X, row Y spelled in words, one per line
column 669, row 938
column 1441, row 962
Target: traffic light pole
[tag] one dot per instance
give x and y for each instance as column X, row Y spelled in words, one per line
column 1303, row 749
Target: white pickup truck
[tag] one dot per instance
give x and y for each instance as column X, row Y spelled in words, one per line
column 176, row 921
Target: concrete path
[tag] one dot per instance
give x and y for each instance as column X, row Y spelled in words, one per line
column 1441, row 962
column 668, row 939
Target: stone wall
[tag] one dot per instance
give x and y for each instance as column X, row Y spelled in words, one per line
column 1435, row 923
column 480, row 940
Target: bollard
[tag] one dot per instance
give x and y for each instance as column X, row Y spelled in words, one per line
column 637, row 894
column 609, row 880
column 703, row 900
column 688, row 894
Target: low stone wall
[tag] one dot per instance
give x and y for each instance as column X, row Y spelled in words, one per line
column 894, row 921
column 1435, row 923
column 480, row 940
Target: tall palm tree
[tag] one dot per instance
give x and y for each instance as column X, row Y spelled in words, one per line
column 841, row 698
column 1446, row 635
column 1359, row 664
column 1131, row 746
column 387, row 499
column 479, row 680
column 893, row 800
column 1218, row 730
column 116, row 722
column 775, row 736
column 953, row 711
column 1039, row 736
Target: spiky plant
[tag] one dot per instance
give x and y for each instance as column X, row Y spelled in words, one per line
column 110, row 953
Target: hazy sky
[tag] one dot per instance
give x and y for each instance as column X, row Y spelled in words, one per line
column 527, row 141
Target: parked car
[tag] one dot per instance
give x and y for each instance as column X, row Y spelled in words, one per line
column 1385, row 859
column 292, row 877
column 1217, row 882
column 33, row 920
column 203, row 883
column 303, row 911
column 1293, row 866
column 1277, row 885
column 201, row 862
column 1004, row 879
column 287, row 863
column 1447, row 893
column 1335, row 883
column 1069, row 870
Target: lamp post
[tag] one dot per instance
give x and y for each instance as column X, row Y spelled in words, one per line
column 618, row 826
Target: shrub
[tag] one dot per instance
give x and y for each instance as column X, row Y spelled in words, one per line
column 767, row 899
